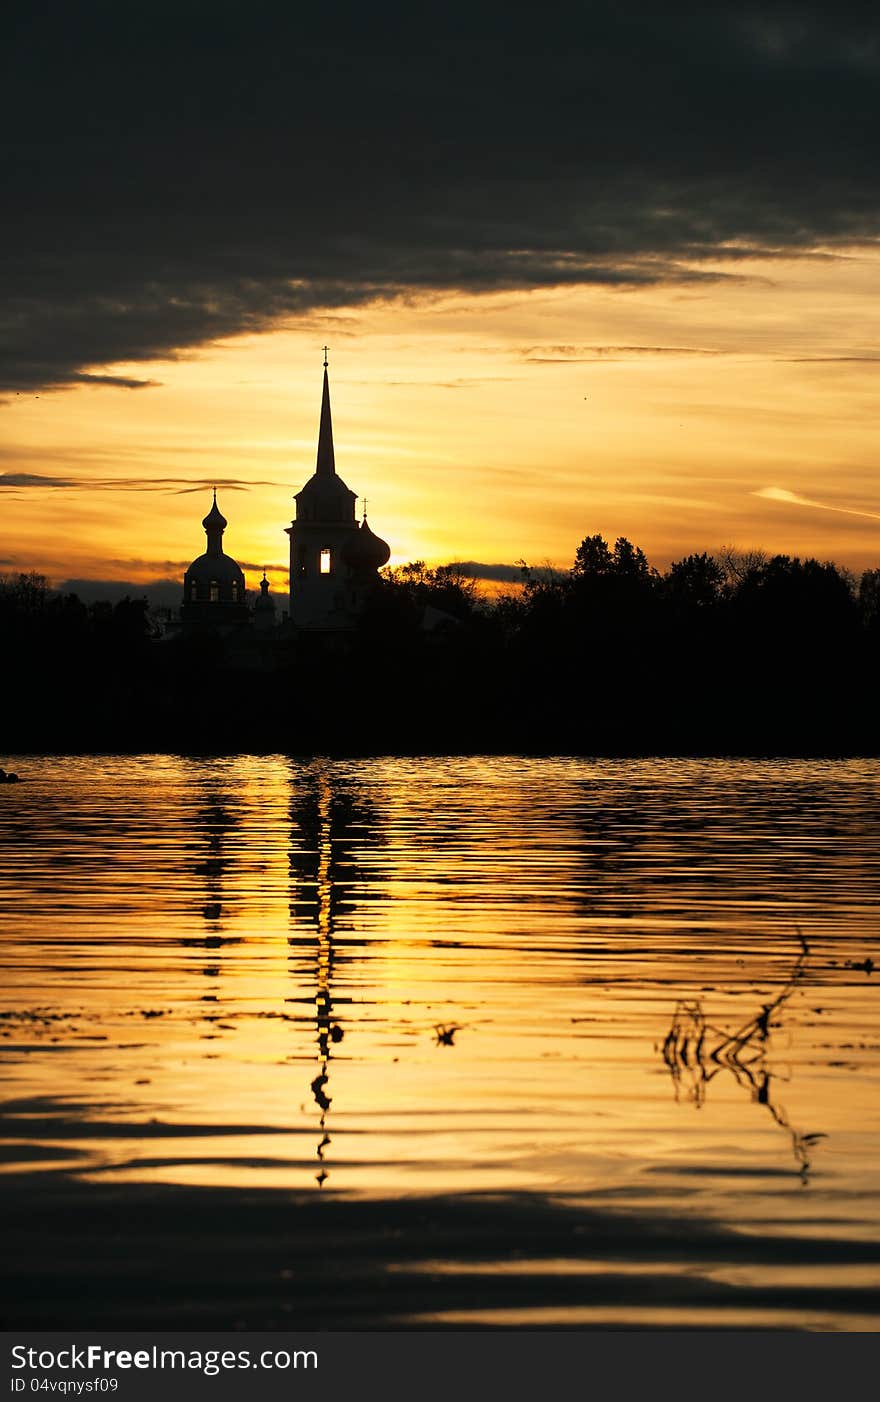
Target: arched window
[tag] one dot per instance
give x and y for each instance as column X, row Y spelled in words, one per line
column 215, row 592
column 325, row 560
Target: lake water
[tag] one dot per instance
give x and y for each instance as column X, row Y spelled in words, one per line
column 629, row 993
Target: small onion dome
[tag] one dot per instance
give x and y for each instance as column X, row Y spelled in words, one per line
column 366, row 551
column 215, row 520
column 265, row 601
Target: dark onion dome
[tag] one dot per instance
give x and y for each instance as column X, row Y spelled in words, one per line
column 215, row 520
column 214, row 580
column 216, row 567
column 366, row 551
column 265, row 602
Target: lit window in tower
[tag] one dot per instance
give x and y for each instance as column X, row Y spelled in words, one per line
column 215, row 592
column 325, row 561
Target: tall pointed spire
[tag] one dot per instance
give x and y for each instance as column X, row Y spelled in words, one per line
column 326, row 466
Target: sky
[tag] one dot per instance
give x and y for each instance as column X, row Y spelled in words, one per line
column 589, row 268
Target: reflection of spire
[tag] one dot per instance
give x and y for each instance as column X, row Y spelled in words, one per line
column 326, row 1031
column 329, row 824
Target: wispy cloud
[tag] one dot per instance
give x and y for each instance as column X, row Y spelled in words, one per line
column 116, row 381
column 581, row 355
column 463, row 382
column 781, row 494
column 178, row 486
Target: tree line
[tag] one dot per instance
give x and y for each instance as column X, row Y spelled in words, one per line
column 724, row 651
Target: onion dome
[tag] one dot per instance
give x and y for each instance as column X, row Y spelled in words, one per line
column 366, row 551
column 265, row 603
column 218, row 569
column 215, row 520
column 214, row 581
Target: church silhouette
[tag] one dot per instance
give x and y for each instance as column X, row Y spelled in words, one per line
column 334, row 559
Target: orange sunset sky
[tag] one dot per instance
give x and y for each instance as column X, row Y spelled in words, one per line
column 603, row 267
column 484, row 428
column 740, row 409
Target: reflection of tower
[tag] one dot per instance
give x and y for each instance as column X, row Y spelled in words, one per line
column 327, row 1032
column 211, row 822
column 327, row 825
column 213, row 825
column 315, row 899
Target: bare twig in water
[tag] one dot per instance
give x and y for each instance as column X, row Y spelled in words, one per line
column 696, row 1051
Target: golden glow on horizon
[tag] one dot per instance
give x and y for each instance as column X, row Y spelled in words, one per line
column 491, row 429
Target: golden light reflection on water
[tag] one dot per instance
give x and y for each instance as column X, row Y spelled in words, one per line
column 396, row 977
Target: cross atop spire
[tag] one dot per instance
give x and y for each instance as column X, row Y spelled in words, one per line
column 326, row 353
column 326, row 465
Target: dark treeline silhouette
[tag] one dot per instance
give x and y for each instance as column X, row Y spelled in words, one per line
column 729, row 652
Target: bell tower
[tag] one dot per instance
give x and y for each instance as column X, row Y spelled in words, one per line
column 326, row 582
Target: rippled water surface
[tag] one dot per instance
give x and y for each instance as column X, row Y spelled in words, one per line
column 635, row 991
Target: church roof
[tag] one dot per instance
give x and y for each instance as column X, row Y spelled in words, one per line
column 319, row 491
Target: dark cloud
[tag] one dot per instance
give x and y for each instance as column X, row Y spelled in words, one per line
column 178, row 173
column 502, row 574
column 161, row 593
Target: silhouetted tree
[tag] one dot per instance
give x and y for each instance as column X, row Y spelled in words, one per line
column 697, row 580
column 869, row 599
column 24, row 592
column 593, row 559
column 443, row 587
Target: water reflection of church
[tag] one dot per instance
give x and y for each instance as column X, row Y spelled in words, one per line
column 322, row 871
column 334, row 559
column 329, row 823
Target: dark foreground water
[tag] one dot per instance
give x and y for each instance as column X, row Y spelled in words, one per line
column 427, row 1042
